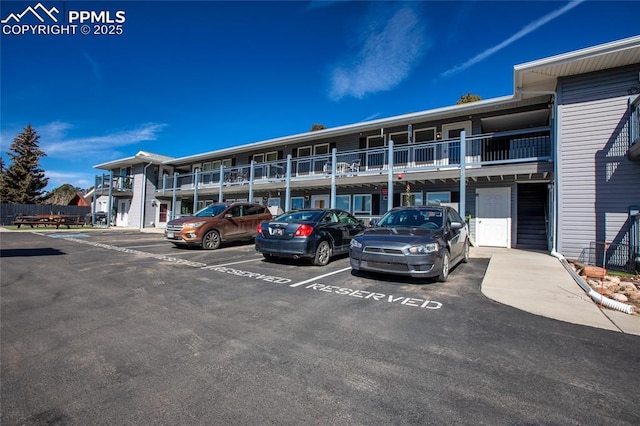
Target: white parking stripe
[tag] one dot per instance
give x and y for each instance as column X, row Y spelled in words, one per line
column 150, row 245
column 234, row 263
column 321, row 276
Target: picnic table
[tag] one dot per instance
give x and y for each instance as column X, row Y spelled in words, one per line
column 56, row 220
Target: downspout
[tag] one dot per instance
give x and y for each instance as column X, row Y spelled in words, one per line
column 144, row 195
column 597, row 297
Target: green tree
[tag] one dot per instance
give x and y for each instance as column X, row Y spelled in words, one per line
column 23, row 182
column 469, row 97
column 62, row 195
column 315, row 127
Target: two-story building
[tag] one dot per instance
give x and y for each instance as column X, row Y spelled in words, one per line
column 554, row 166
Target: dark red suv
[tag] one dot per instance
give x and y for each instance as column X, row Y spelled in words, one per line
column 216, row 223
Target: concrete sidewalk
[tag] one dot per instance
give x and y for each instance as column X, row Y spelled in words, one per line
column 538, row 283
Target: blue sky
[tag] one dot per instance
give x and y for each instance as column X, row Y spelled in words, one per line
column 190, row 77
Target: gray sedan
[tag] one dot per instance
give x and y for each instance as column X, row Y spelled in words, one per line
column 413, row 241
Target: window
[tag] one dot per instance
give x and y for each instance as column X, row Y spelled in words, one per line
column 322, row 149
column 258, row 158
column 375, row 142
column 304, row 151
column 412, row 199
column 273, row 202
column 297, row 203
column 438, row 197
column 343, row 202
column 425, row 135
column 271, row 156
column 362, row 204
column 215, row 165
column 401, row 138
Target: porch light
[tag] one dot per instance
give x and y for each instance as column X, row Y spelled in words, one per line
column 438, row 135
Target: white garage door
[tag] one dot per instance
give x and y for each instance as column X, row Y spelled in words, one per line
column 493, row 224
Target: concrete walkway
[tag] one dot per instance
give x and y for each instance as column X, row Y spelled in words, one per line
column 538, row 283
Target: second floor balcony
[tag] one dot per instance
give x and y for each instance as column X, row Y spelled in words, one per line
column 116, row 184
column 496, row 149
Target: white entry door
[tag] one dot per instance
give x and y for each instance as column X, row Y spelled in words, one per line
column 320, row 201
column 493, row 217
column 122, row 218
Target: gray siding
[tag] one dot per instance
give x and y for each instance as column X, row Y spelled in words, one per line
column 597, row 182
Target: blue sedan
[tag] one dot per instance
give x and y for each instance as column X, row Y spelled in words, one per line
column 315, row 234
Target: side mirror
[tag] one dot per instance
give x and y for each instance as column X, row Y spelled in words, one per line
column 456, row 225
column 373, row 222
column 228, row 216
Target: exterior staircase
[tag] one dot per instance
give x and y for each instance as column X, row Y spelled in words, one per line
column 532, row 224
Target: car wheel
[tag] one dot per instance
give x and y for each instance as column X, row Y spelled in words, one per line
column 444, row 272
column 465, row 257
column 211, row 240
column 323, row 254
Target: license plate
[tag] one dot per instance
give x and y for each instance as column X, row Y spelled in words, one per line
column 169, row 234
column 277, row 231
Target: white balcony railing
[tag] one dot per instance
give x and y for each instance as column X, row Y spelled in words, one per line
column 494, row 149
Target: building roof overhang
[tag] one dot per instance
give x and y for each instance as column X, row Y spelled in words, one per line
column 532, row 82
column 541, row 76
column 454, row 111
column 140, row 157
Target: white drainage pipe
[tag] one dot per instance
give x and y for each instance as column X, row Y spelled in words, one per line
column 597, row 297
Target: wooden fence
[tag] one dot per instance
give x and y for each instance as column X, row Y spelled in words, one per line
column 8, row 212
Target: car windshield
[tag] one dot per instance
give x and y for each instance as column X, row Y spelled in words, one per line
column 300, row 216
column 211, row 210
column 421, row 218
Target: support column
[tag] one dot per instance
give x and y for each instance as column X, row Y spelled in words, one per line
column 463, row 174
column 221, row 183
column 110, row 204
column 251, row 177
column 334, row 157
column 287, row 192
column 195, row 191
column 390, row 177
column 173, row 198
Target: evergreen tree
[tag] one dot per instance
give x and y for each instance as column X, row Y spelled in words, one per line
column 23, row 182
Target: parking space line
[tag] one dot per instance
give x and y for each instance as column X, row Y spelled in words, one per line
column 321, row 276
column 150, row 245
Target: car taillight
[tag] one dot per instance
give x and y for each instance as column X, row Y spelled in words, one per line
column 259, row 229
column 303, row 231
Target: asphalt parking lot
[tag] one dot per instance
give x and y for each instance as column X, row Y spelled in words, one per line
column 120, row 327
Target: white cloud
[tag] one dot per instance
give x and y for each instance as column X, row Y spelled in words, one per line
column 92, row 147
column 523, row 32
column 387, row 56
column 57, row 178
